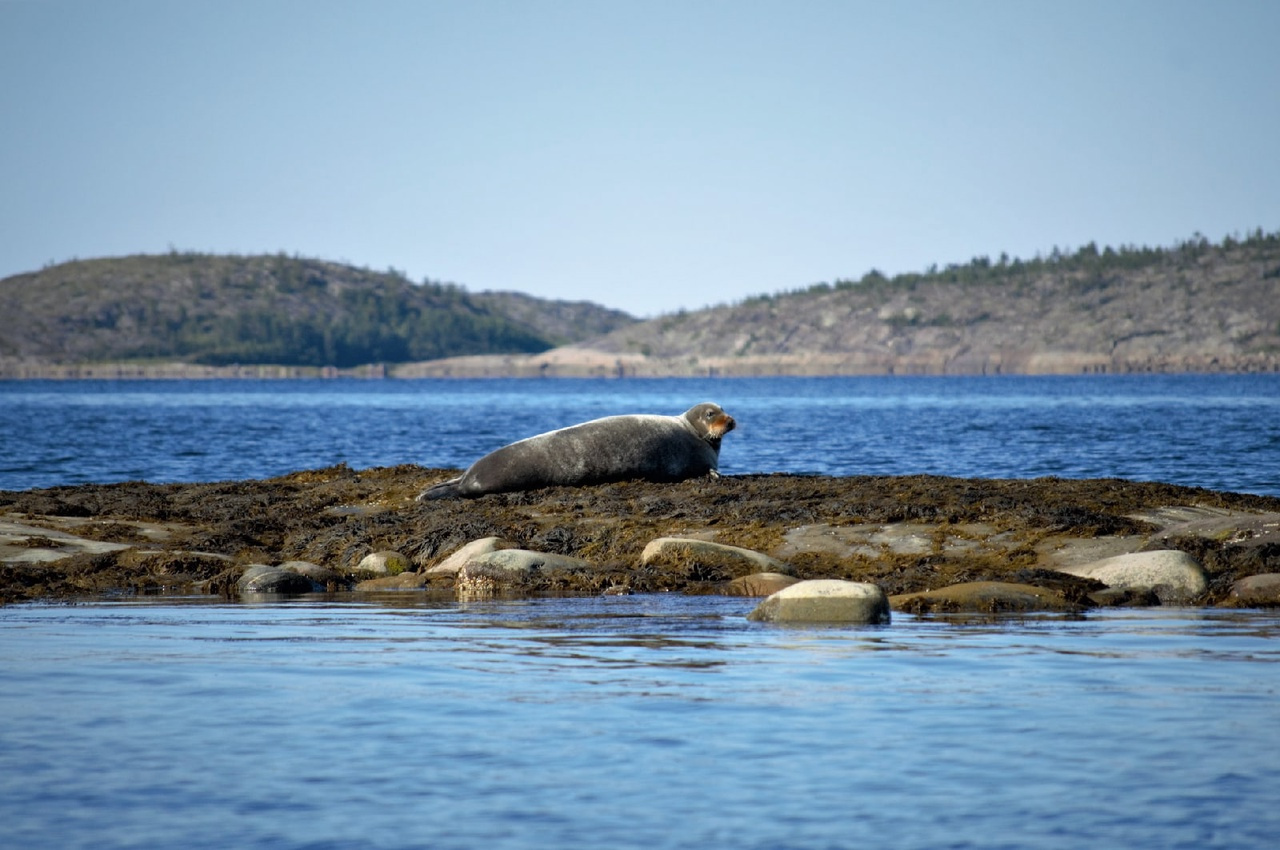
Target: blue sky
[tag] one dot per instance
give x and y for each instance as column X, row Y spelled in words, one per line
column 650, row 156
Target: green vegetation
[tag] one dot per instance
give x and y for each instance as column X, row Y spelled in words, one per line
column 1100, row 265
column 222, row 310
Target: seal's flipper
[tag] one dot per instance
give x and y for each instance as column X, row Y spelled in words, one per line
column 443, row 490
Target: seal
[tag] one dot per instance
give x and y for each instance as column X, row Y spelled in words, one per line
column 615, row 448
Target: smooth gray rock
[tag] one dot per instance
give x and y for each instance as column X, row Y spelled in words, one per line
column 450, row 565
column 1175, row 577
column 506, row 569
column 386, row 563
column 514, row 563
column 1255, row 591
column 825, row 601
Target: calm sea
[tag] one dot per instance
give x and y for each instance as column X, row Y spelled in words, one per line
column 1217, row 431
column 650, row 721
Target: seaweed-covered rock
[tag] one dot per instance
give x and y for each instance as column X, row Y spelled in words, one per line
column 986, row 597
column 731, row 560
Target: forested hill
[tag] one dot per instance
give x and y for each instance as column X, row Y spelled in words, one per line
column 1194, row 306
column 225, row 309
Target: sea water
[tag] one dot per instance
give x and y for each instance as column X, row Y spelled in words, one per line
column 1216, row 431
column 631, row 722
column 649, row 721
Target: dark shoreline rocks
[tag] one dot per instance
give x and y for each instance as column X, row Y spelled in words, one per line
column 908, row 535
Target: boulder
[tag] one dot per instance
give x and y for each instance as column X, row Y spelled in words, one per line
column 1254, row 592
column 399, row 581
column 988, row 597
column 386, row 562
column 322, row 576
column 450, row 565
column 825, row 601
column 1172, row 575
column 510, row 568
column 261, row 578
column 733, row 560
column 759, row 584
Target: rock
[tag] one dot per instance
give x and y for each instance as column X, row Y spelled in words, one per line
column 450, row 565
column 322, row 576
column 989, row 597
column 824, row 601
column 400, row 581
column 734, row 560
column 1175, row 577
column 21, row 542
column 261, row 578
column 510, row 568
column 390, row 563
column 512, row 563
column 1121, row 597
column 1254, row 592
column 759, row 584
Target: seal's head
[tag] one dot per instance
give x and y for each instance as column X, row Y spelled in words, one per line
column 710, row 422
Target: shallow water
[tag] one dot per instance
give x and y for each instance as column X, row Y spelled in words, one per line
column 645, row 721
column 1216, row 431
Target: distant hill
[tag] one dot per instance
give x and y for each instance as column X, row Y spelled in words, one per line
column 1196, row 306
column 223, row 309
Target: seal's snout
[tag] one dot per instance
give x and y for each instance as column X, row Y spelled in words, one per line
column 722, row 425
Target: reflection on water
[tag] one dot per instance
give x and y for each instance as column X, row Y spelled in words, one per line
column 645, row 721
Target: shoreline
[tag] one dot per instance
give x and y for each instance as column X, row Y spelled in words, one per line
column 567, row 363
column 1010, row 544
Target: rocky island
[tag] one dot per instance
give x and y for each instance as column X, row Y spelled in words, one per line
column 930, row 543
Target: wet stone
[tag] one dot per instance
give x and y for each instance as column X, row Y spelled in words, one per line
column 1262, row 590
column 825, row 601
column 261, row 578
column 988, row 597
column 1175, row 577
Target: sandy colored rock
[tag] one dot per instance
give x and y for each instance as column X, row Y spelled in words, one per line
column 825, row 601
column 1173, row 575
column 759, row 584
column 400, row 581
column 450, row 565
column 990, row 597
column 388, row 562
column 1255, row 592
column 733, row 560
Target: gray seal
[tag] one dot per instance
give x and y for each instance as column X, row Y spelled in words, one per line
column 615, row 448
